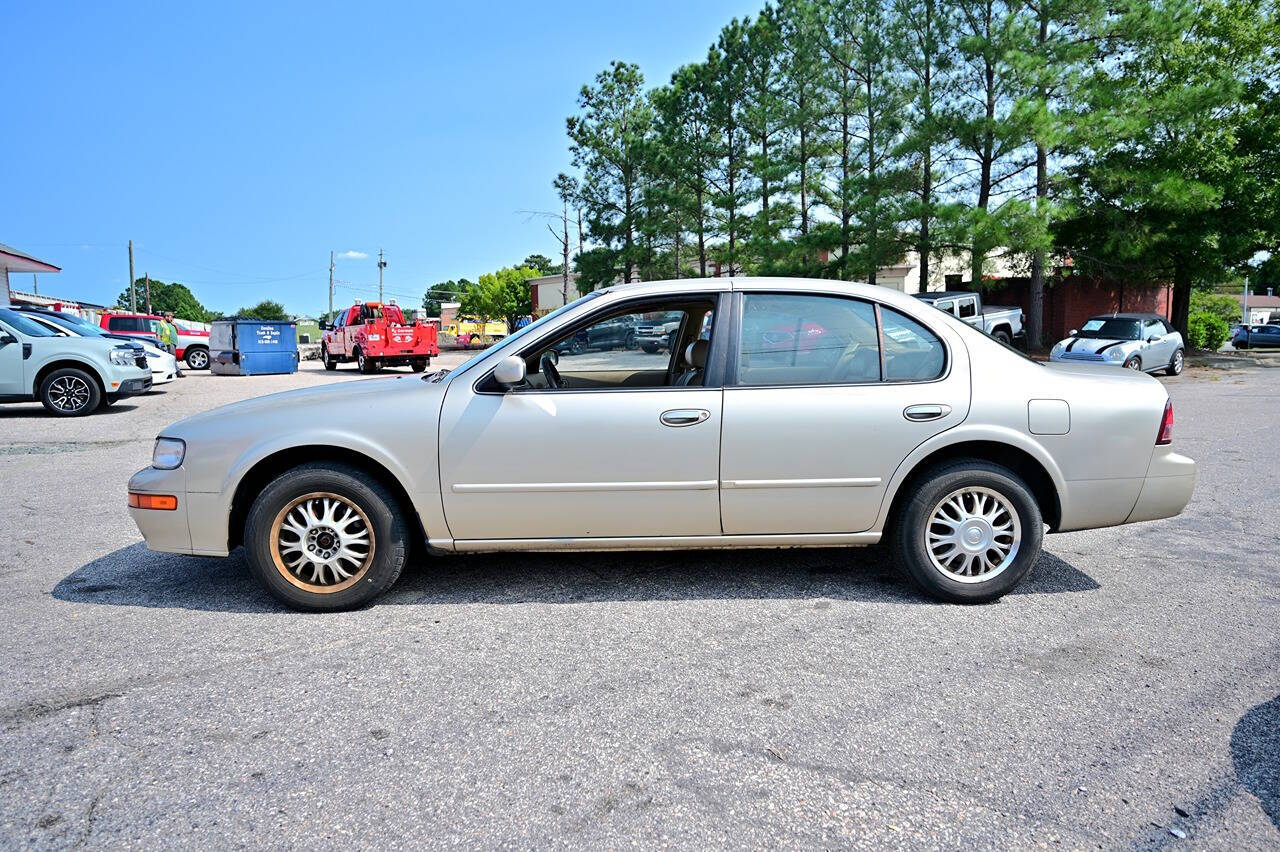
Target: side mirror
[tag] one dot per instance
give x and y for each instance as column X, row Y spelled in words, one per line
column 510, row 371
column 6, row 338
column 1152, row 339
column 1072, row 333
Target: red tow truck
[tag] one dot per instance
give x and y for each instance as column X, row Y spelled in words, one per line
column 376, row 335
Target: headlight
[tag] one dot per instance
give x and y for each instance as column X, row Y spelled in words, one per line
column 1056, row 350
column 122, row 356
column 168, row 453
column 1114, row 354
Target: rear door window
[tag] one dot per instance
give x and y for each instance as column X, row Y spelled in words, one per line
column 912, row 353
column 807, row 340
column 968, row 308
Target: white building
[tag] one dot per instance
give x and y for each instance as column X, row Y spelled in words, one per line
column 12, row 260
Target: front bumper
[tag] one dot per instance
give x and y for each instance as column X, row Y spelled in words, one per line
column 132, row 387
column 165, row 531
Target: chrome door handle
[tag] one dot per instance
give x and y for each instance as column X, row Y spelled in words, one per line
column 684, row 416
column 920, row 413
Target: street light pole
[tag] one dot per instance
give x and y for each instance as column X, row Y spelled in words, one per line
column 329, row 318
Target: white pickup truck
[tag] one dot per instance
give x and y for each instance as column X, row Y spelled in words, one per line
column 1007, row 325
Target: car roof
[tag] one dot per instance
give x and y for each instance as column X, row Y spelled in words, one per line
column 943, row 294
column 1129, row 316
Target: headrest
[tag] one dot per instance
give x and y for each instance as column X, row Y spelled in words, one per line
column 695, row 354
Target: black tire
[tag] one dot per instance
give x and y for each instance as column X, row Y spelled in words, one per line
column 365, row 365
column 1134, row 363
column 1176, row 363
column 70, row 392
column 197, row 358
column 329, row 363
column 418, row 365
column 912, row 527
column 385, row 518
column 649, row 348
column 1002, row 336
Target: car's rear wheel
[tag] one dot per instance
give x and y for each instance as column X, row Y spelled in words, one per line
column 1002, row 336
column 197, row 358
column 1134, row 363
column 365, row 364
column 70, row 392
column 1176, row 363
column 970, row 533
column 418, row 365
column 324, row 537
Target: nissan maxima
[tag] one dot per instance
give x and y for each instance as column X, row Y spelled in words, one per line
column 786, row 413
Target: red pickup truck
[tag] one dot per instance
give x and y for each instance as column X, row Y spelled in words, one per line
column 375, row 335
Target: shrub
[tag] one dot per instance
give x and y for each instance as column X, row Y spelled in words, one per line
column 1206, row 330
column 1225, row 307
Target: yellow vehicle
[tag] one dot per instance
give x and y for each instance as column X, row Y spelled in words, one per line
column 471, row 332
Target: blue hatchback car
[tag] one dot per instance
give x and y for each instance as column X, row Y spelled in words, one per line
column 1256, row 337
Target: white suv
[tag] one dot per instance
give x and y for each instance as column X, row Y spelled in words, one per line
column 71, row 376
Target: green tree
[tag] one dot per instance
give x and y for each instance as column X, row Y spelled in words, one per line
column 540, row 262
column 608, row 143
column 727, row 66
column 264, row 310
column 921, row 33
column 444, row 291
column 1177, row 184
column 685, row 153
column 165, row 297
column 501, row 295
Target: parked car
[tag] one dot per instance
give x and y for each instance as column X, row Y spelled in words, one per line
column 375, row 335
column 955, row 449
column 164, row 367
column 1256, row 336
column 1007, row 325
column 192, row 344
column 69, row 375
column 654, row 335
column 617, row 333
column 1143, row 342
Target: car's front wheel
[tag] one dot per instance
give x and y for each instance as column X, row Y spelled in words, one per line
column 1134, row 363
column 70, row 392
column 324, row 537
column 970, row 532
column 329, row 363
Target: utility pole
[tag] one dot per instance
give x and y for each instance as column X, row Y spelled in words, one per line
column 329, row 318
column 133, row 301
column 148, row 275
column 382, row 264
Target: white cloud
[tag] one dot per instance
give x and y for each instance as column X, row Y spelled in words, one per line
column 353, row 255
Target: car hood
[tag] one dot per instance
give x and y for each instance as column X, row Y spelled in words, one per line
column 1093, row 345
column 89, row 346
column 304, row 403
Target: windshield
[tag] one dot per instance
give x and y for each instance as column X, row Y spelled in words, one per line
column 528, row 329
column 1111, row 329
column 81, row 327
column 26, row 326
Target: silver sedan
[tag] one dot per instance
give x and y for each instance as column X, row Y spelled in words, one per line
column 786, row 413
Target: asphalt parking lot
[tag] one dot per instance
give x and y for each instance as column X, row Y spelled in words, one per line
column 1128, row 694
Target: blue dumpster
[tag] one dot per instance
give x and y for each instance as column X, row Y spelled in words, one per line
column 249, row 347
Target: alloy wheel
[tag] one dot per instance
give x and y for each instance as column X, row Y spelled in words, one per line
column 322, row 542
column 973, row 534
column 69, row 393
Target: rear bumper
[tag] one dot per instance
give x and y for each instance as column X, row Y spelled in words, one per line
column 1167, row 490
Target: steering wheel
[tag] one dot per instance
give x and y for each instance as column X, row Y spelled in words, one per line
column 547, row 364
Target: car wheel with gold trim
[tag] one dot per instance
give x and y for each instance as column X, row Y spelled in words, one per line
column 326, row 537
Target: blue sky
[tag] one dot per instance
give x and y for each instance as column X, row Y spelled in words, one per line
column 236, row 144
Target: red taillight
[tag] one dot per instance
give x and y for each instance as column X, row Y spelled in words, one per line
column 1165, row 435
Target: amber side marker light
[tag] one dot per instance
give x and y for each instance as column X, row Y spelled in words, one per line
column 166, row 502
